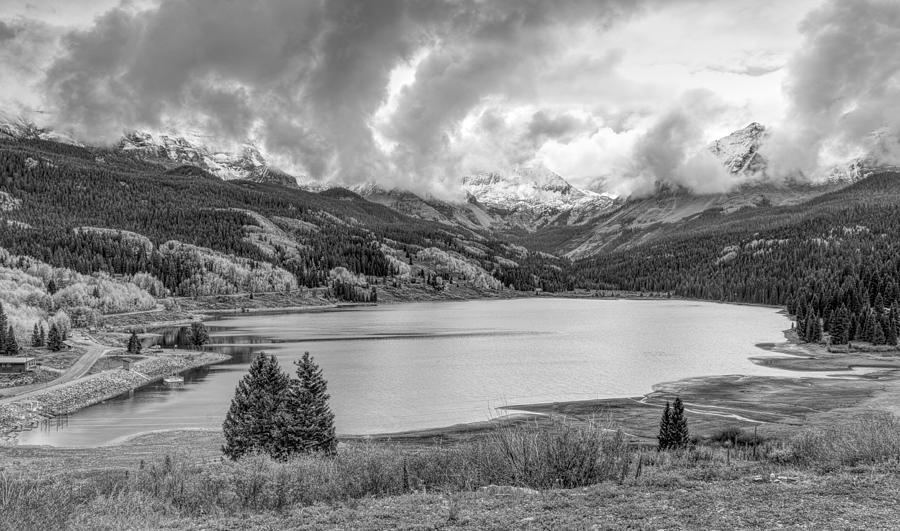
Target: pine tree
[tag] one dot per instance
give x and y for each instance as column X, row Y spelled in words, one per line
column 199, row 335
column 43, row 336
column 813, row 329
column 665, row 428
column 12, row 346
column 878, row 336
column 134, row 344
column 54, row 339
column 310, row 422
column 253, row 422
column 840, row 329
column 36, row 337
column 679, row 428
column 869, row 329
column 3, row 324
column 890, row 332
column 51, row 287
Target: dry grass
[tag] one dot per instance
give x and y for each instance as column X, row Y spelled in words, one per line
column 869, row 439
column 565, row 461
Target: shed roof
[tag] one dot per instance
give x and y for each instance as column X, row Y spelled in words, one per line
column 15, row 359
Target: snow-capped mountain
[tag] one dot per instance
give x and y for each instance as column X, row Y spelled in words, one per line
column 247, row 163
column 529, row 197
column 742, row 152
column 739, row 151
column 531, row 188
column 19, row 128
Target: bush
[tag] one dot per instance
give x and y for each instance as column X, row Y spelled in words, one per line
column 728, row 435
column 564, row 455
column 870, row 439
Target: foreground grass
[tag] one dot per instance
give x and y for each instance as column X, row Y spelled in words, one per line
column 584, row 474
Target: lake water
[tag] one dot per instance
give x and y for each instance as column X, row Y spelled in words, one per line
column 422, row 365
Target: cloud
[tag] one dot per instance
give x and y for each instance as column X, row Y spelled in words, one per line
column 843, row 87
column 26, row 49
column 673, row 150
column 415, row 93
column 753, row 65
column 305, row 79
column 6, row 31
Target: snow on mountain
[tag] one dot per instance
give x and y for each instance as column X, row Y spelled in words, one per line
column 742, row 152
column 529, row 197
column 531, row 188
column 247, row 163
column 739, row 151
column 19, row 128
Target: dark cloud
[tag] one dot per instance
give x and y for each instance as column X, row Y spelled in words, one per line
column 562, row 127
column 306, row 78
column 6, row 31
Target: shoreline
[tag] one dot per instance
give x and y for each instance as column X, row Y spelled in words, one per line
column 29, row 410
column 389, row 296
column 710, row 399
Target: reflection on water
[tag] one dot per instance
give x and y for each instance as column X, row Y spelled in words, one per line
column 423, row 365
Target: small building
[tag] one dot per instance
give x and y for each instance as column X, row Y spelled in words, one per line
column 14, row 364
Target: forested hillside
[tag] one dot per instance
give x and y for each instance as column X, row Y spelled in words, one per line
column 833, row 261
column 59, row 198
column 86, row 231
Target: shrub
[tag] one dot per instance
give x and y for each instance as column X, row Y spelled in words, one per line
column 729, row 435
column 563, row 455
column 870, row 439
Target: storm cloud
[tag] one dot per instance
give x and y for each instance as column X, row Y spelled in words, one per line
column 304, row 79
column 417, row 93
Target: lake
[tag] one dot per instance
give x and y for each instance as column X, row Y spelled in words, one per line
column 424, row 365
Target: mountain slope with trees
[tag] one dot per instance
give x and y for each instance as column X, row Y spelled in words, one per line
column 834, row 259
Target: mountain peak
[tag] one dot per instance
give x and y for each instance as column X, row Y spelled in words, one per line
column 20, row 128
column 247, row 163
column 529, row 187
column 738, row 151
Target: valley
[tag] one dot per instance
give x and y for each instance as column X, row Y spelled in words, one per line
column 112, row 240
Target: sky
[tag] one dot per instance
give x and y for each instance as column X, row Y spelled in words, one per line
column 614, row 95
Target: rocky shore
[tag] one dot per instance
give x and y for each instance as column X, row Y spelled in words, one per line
column 28, row 410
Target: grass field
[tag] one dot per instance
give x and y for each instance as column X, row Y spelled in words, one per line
column 526, row 476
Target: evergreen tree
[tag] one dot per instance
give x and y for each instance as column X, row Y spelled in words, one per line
column 878, row 336
column 12, row 346
column 840, row 328
column 665, row 428
column 51, row 287
column 199, row 335
column 813, row 329
column 253, row 422
column 310, row 422
column 43, row 336
column 869, row 327
column 36, row 337
column 679, row 428
column 890, row 332
column 54, row 339
column 134, row 343
column 3, row 324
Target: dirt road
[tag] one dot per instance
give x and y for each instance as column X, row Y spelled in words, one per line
column 93, row 352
